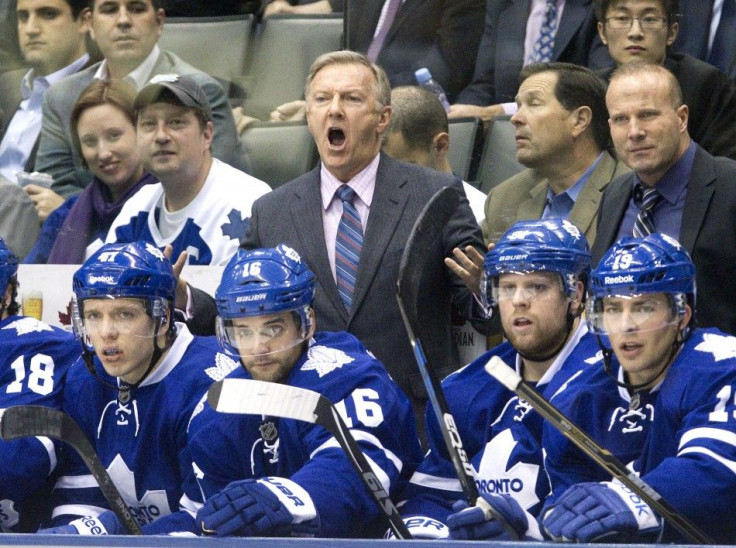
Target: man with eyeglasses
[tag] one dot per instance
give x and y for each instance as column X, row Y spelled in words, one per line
column 682, row 379
column 644, row 30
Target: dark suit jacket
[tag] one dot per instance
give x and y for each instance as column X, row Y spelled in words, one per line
column 442, row 35
column 711, row 99
column 501, row 52
column 708, row 232
column 694, row 31
column 292, row 214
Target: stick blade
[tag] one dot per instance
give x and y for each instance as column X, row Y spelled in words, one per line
column 21, row 421
column 424, row 235
column 251, row 397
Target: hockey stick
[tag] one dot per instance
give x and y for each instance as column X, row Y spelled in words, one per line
column 604, row 458
column 425, row 234
column 251, row 397
column 22, row 421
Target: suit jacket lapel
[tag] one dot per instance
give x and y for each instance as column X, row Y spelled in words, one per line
column 533, row 206
column 697, row 198
column 389, row 200
column 586, row 206
column 306, row 211
column 573, row 16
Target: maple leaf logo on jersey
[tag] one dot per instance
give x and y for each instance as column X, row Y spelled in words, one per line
column 24, row 326
column 153, row 504
column 223, row 366
column 722, row 347
column 236, row 227
column 325, row 360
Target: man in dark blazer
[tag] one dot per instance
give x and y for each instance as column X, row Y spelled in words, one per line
column 709, row 94
column 698, row 206
column 348, row 109
column 501, row 54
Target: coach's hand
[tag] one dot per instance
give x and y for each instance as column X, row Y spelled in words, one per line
column 268, row 506
column 595, row 512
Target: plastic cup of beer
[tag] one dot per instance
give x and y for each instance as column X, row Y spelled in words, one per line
column 35, row 178
column 33, row 304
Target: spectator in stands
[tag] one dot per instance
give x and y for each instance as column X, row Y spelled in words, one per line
column 441, row 36
column 349, row 107
column 126, row 32
column 202, row 205
column 695, row 199
column 51, row 35
column 562, row 137
column 103, row 121
column 553, row 30
column 418, row 133
column 10, row 56
column 644, row 30
column 708, row 31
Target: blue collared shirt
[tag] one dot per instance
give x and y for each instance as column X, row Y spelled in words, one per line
column 672, row 186
column 560, row 205
column 25, row 126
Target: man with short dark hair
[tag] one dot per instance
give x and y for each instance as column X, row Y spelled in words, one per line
column 127, row 32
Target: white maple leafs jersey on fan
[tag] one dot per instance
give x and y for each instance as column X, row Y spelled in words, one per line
column 209, row 228
column 690, row 454
column 501, row 434
column 597, row 405
column 228, row 447
column 35, row 358
column 143, row 442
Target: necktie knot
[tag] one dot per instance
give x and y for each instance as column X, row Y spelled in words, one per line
column 345, row 193
column 646, row 199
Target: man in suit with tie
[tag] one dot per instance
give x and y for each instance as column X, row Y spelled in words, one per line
column 348, row 109
column 127, row 32
column 552, row 30
column 562, row 138
column 676, row 187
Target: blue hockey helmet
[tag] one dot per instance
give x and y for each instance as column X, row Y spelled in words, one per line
column 260, row 282
column 656, row 263
column 8, row 265
column 546, row 245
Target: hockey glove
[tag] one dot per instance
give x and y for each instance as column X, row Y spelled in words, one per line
column 269, row 506
column 606, row 511
column 104, row 524
column 422, row 527
column 476, row 522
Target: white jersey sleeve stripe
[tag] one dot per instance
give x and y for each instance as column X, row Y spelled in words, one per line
column 77, row 510
column 76, row 482
column 361, row 435
column 731, row 465
column 436, row 482
column 189, row 506
column 50, row 449
column 708, row 433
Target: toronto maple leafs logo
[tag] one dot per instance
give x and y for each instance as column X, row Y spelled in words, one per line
column 153, row 504
column 23, row 326
column 325, row 360
column 722, row 347
column 236, row 226
column 224, row 365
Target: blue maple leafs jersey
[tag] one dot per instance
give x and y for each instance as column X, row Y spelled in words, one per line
column 690, row 454
column 605, row 411
column 143, row 442
column 228, row 447
column 500, row 433
column 210, row 227
column 35, row 358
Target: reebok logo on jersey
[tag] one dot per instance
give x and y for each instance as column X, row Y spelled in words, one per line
column 248, row 298
column 618, row 279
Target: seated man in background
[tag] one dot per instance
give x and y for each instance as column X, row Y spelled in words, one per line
column 201, row 205
column 126, row 32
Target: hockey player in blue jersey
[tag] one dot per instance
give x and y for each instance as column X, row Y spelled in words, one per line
column 536, row 274
column 265, row 476
column 642, row 306
column 35, row 358
column 133, row 391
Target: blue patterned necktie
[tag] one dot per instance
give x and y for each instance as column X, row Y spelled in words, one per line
column 347, row 246
column 545, row 43
column 646, row 199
